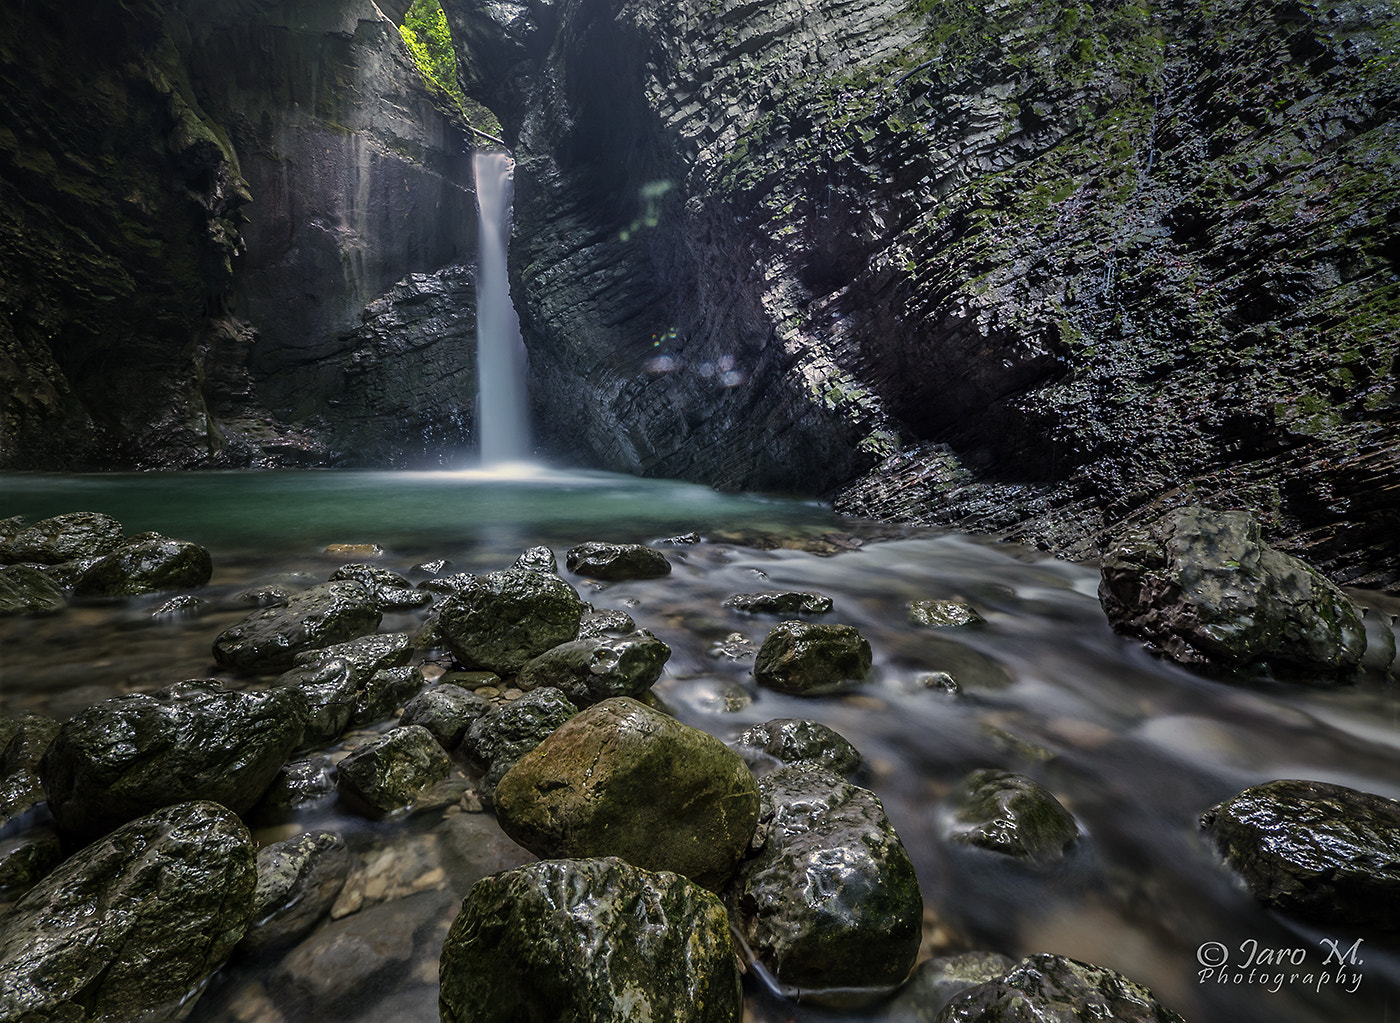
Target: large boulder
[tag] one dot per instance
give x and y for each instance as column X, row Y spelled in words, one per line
column 589, row 941
column 76, row 536
column 1013, row 815
column 390, row 773
column 621, row 779
column 497, row 740
column 591, row 670
column 1053, row 987
column 130, row 928
column 26, row 590
column 129, row 756
column 146, row 564
column 499, row 621
column 828, row 898
column 331, row 694
column 1325, row 853
column 1203, row 588
column 615, row 561
column 802, row 658
column 269, row 639
column 392, row 591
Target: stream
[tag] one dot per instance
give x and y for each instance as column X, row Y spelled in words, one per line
column 1135, row 747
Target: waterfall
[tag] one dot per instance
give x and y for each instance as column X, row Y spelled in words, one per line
column 502, row 414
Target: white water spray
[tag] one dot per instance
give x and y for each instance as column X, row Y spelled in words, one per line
column 502, row 415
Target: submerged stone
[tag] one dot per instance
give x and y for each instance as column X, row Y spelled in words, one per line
column 1202, row 588
column 616, row 561
column 268, row 640
column 799, row 741
column 828, row 899
column 788, row 602
column 1320, row 852
column 74, row 536
column 1013, row 815
column 589, row 941
column 589, row 671
column 499, row 621
column 390, row 773
column 128, row 756
column 935, row 982
column 147, row 564
column 621, row 779
column 943, row 614
column 130, row 928
column 801, row 658
column 1053, row 987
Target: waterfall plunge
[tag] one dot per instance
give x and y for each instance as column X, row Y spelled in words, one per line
column 501, row 409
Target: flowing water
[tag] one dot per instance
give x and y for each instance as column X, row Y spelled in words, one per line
column 501, row 402
column 1134, row 747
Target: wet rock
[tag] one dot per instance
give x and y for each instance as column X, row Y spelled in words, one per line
column 72, row 537
column 389, row 774
column 146, row 564
column 500, row 621
column 828, row 898
column 26, row 858
column 782, row 602
column 537, row 559
column 496, row 741
column 616, row 561
column 1052, row 987
column 365, row 655
column 799, row 741
column 264, row 596
column 131, row 927
column 385, row 692
column 621, row 779
column 298, row 785
column 25, row 590
column 298, row 881
column 268, row 640
column 592, row 940
column 941, row 614
column 356, row 550
column 1011, row 814
column 186, row 605
column 607, row 621
column 435, row 567
column 331, row 695
column 128, row 756
column 446, row 711
column 1320, row 852
column 801, row 658
column 1202, row 588
column 935, row 982
column 733, row 647
column 589, row 671
column 20, row 785
column 390, row 590
column 447, row 585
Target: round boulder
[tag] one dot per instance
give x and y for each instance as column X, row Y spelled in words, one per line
column 128, row 756
column 499, row 621
column 616, row 561
column 1321, row 852
column 801, row 658
column 147, row 564
column 589, row 941
column 621, row 779
column 829, row 899
column 131, row 927
column 589, row 671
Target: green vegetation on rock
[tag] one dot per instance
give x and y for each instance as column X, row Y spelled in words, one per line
column 429, row 40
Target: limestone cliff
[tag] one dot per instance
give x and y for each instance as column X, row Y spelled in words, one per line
column 1029, row 267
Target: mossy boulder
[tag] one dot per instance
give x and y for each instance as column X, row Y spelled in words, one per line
column 27, row 590
column 390, row 774
column 20, row 786
column 147, row 564
column 589, row 941
column 802, row 658
column 1054, row 987
column 1011, row 814
column 330, row 691
column 828, row 898
column 621, row 779
column 589, row 671
column 614, row 561
column 132, row 755
column 74, row 536
column 499, row 621
column 131, row 927
column 1203, row 588
column 1317, row 851
column 269, row 639
column 446, row 711
column 392, row 591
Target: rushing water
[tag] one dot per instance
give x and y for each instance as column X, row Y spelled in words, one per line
column 1136, row 748
column 502, row 416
